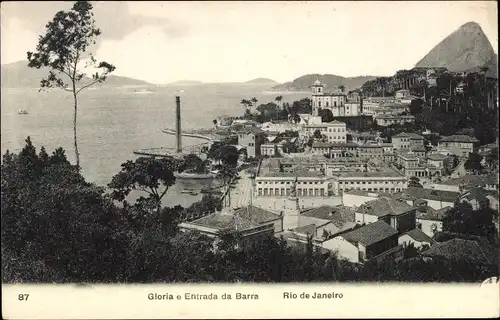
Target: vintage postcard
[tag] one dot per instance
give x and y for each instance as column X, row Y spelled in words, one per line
column 249, row 159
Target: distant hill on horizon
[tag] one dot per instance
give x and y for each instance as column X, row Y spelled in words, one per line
column 262, row 81
column 185, row 83
column 330, row 81
column 19, row 75
column 465, row 49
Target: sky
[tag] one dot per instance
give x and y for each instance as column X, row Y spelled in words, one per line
column 162, row 42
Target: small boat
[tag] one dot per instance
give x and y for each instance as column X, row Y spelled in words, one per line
column 187, row 190
column 192, row 175
column 22, row 111
column 193, row 193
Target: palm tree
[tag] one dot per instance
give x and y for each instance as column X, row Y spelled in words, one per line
column 245, row 103
column 254, row 101
column 278, row 99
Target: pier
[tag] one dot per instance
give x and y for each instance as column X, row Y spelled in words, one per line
column 173, row 152
column 179, row 150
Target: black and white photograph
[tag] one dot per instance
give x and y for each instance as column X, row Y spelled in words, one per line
column 249, row 142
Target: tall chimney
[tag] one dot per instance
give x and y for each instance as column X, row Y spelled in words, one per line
column 178, row 132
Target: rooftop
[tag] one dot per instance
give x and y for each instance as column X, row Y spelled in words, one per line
column 319, row 144
column 459, row 138
column 437, row 157
column 256, row 214
column 224, row 220
column 429, row 213
column 476, row 251
column 309, row 229
column 307, row 174
column 373, row 174
column 339, row 215
column 472, row 180
column 418, row 235
column 370, row 233
column 432, row 194
column 385, row 206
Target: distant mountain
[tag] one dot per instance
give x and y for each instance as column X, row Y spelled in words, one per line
column 263, row 81
column 330, row 82
column 466, row 49
column 19, row 75
column 185, row 83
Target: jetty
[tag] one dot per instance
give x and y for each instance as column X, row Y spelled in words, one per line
column 179, row 151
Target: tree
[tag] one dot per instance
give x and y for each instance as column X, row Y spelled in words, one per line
column 326, row 115
column 254, row 101
column 296, row 118
column 473, row 163
column 246, row 104
column 63, row 48
column 147, row 174
column 415, row 182
column 44, row 194
column 194, row 163
column 317, row 134
column 215, row 123
column 278, row 99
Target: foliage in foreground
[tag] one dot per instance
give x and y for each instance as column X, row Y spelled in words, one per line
column 58, row 228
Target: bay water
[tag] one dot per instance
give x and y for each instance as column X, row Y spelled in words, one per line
column 113, row 122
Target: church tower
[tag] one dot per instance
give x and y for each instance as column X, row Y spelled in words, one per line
column 317, row 94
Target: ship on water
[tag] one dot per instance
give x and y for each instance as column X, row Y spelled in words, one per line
column 22, row 111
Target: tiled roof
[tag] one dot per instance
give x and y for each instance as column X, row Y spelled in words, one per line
column 436, row 157
column 411, row 135
column 384, row 206
column 253, row 130
column 319, row 144
column 339, row 215
column 459, row 138
column 432, row 194
column 222, row 220
column 256, row 214
column 460, row 249
column 429, row 213
column 370, row 145
column 310, row 229
column 306, row 174
column 370, row 233
column 373, row 174
column 479, row 194
column 418, row 149
column 472, row 180
column 418, row 235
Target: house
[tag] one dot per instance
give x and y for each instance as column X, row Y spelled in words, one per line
column 407, row 140
column 416, row 237
column 364, row 243
column 370, row 150
column 335, row 131
column 402, row 93
column 430, row 220
column 459, row 145
column 343, row 218
column 216, row 223
column 321, row 148
column 478, row 252
column 251, row 138
column 387, row 120
column 437, row 199
column 488, row 182
column 396, row 213
column 268, row 149
column 479, row 198
column 436, row 159
column 261, row 216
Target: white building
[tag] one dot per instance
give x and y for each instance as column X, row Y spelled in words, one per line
column 334, row 131
column 333, row 101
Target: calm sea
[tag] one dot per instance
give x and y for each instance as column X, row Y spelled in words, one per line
column 112, row 122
